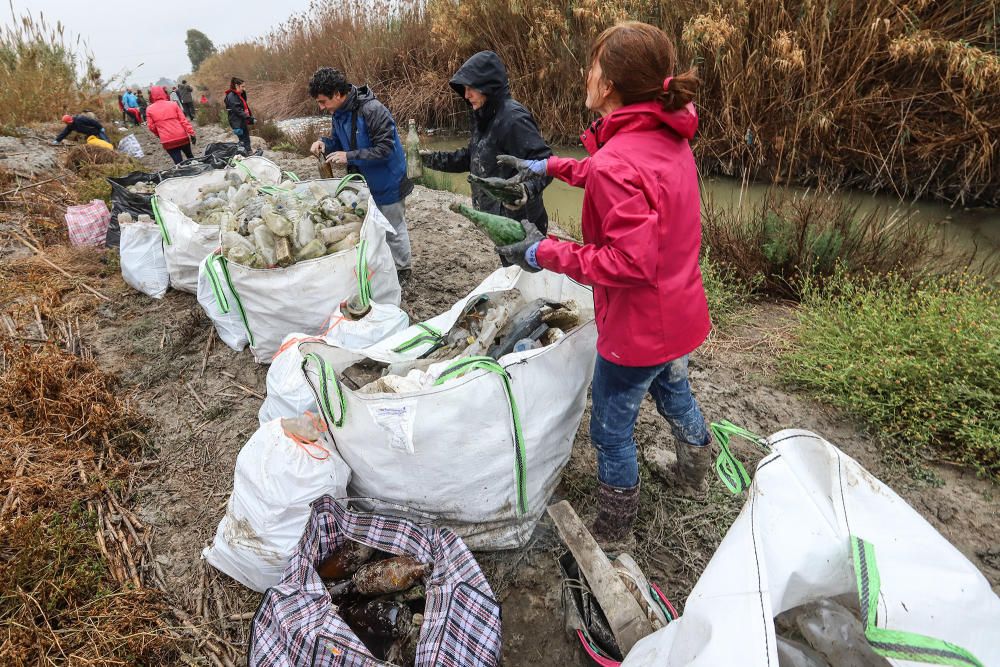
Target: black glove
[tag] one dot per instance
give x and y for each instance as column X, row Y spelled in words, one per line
column 251, row 120
column 525, row 168
column 194, row 140
column 514, row 253
column 509, row 192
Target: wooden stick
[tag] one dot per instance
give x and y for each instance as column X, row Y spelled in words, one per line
column 41, row 256
column 627, row 620
column 33, row 185
column 195, row 395
column 208, row 350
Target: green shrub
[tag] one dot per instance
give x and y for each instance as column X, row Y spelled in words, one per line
column 270, row 133
column 917, row 361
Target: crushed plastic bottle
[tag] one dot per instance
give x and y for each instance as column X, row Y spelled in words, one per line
column 794, row 654
column 836, row 634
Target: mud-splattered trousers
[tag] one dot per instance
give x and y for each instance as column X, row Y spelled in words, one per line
column 616, row 394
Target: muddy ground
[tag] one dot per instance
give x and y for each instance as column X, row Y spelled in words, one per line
column 204, row 399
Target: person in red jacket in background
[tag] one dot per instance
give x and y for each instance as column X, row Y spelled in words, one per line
column 166, row 120
column 641, row 236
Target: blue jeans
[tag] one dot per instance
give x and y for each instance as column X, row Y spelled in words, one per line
column 616, row 394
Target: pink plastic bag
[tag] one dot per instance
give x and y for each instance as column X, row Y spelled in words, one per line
column 88, row 223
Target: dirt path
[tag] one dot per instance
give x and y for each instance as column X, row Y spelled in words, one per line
column 205, row 398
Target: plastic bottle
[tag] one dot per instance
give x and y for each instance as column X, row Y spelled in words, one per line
column 344, row 561
column 414, row 167
column 526, row 344
column 264, row 240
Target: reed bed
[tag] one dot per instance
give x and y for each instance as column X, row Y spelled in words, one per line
column 901, row 97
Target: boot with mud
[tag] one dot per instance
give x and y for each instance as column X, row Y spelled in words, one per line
column 685, row 469
column 616, row 512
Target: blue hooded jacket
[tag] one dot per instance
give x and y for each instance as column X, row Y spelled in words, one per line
column 365, row 130
column 130, row 101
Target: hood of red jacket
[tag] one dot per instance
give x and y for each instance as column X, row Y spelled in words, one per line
column 640, row 117
column 158, row 94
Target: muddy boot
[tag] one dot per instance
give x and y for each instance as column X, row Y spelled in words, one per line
column 684, row 471
column 616, row 512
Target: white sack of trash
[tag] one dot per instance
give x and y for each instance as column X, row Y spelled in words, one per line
column 818, row 535
column 288, row 393
column 284, row 466
column 276, row 301
column 141, row 256
column 186, row 240
column 471, row 415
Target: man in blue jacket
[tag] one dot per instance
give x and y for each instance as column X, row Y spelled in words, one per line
column 131, row 104
column 365, row 139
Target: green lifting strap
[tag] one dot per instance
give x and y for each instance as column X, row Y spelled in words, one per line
column 213, row 279
column 326, row 372
column 364, row 282
column 431, row 335
column 730, row 470
column 239, row 164
column 461, row 367
column 223, row 264
column 345, row 180
column 292, row 176
column 159, row 220
column 897, row 643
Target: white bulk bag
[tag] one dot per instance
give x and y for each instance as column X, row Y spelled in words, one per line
column 186, row 242
column 278, row 301
column 275, row 480
column 482, row 452
column 220, row 306
column 288, row 393
column 141, row 256
column 818, row 525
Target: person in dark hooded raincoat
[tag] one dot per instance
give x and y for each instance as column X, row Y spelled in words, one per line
column 500, row 126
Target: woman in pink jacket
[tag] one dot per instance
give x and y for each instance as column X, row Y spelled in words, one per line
column 641, row 236
column 166, row 120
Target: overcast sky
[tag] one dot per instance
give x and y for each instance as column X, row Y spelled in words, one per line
column 122, row 35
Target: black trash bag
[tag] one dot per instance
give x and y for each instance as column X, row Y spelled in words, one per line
column 135, row 203
column 221, row 152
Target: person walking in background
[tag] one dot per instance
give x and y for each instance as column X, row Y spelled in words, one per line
column 121, row 107
column 500, row 125
column 240, row 116
column 141, row 99
column 84, row 124
column 131, row 103
column 365, row 140
column 185, row 93
column 641, row 225
column 166, row 120
column 176, row 98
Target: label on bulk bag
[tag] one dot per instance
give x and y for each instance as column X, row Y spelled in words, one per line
column 396, row 418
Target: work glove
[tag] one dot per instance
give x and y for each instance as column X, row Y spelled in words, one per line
column 509, row 192
column 194, row 140
column 238, row 131
column 516, row 253
column 525, row 168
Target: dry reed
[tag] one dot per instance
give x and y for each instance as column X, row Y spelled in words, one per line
column 819, row 93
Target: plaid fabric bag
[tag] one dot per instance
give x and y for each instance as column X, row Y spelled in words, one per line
column 88, row 223
column 297, row 623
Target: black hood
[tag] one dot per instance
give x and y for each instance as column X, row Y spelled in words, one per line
column 358, row 96
column 484, row 72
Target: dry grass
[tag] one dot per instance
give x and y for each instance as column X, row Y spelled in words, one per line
column 880, row 95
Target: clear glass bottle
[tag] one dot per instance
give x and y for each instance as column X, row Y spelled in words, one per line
column 414, row 167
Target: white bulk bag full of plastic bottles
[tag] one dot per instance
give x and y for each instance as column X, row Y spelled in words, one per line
column 481, row 450
column 288, row 393
column 185, row 242
column 818, row 525
column 277, row 476
column 279, row 301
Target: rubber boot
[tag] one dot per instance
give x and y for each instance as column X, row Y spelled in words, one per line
column 616, row 512
column 685, row 470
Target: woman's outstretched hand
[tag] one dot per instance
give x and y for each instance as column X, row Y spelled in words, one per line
column 525, row 168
